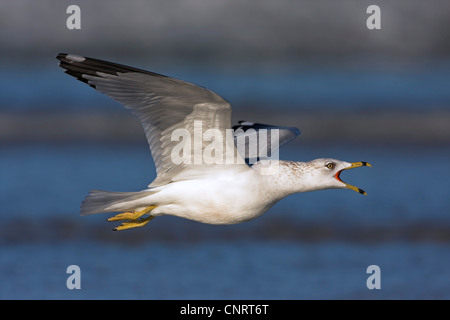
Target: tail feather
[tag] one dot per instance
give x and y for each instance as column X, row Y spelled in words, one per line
column 107, row 201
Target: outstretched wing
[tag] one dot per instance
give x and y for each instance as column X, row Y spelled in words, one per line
column 163, row 105
column 256, row 141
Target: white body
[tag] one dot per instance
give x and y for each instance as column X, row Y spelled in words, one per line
column 227, row 198
column 213, row 201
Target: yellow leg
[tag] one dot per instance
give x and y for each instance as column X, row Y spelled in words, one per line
column 133, row 224
column 131, row 215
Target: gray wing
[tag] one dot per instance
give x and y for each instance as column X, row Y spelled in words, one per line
column 163, row 105
column 256, row 141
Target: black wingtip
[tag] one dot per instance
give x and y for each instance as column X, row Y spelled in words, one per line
column 102, row 65
column 74, row 65
column 61, row 56
column 79, row 66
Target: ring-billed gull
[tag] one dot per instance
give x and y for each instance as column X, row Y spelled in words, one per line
column 201, row 175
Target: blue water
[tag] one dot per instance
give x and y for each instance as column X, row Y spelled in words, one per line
column 345, row 88
column 312, row 245
column 309, row 246
column 226, row 270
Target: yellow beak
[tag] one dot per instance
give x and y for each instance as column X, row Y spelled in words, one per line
column 353, row 165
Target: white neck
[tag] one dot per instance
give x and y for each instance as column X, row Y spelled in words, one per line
column 285, row 178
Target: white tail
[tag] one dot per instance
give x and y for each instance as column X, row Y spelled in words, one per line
column 102, row 201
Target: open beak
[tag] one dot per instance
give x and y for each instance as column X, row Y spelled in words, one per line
column 353, row 165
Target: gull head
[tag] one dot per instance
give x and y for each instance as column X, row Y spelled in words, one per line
column 325, row 174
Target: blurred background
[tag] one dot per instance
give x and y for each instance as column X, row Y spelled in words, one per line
column 356, row 94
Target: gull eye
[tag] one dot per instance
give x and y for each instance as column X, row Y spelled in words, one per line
column 330, row 165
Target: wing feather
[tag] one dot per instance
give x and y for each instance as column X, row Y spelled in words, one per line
column 163, row 105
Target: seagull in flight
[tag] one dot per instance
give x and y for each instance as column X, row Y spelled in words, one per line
column 207, row 171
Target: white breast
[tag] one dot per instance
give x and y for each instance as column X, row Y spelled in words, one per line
column 222, row 200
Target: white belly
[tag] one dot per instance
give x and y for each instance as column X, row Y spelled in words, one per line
column 213, row 201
